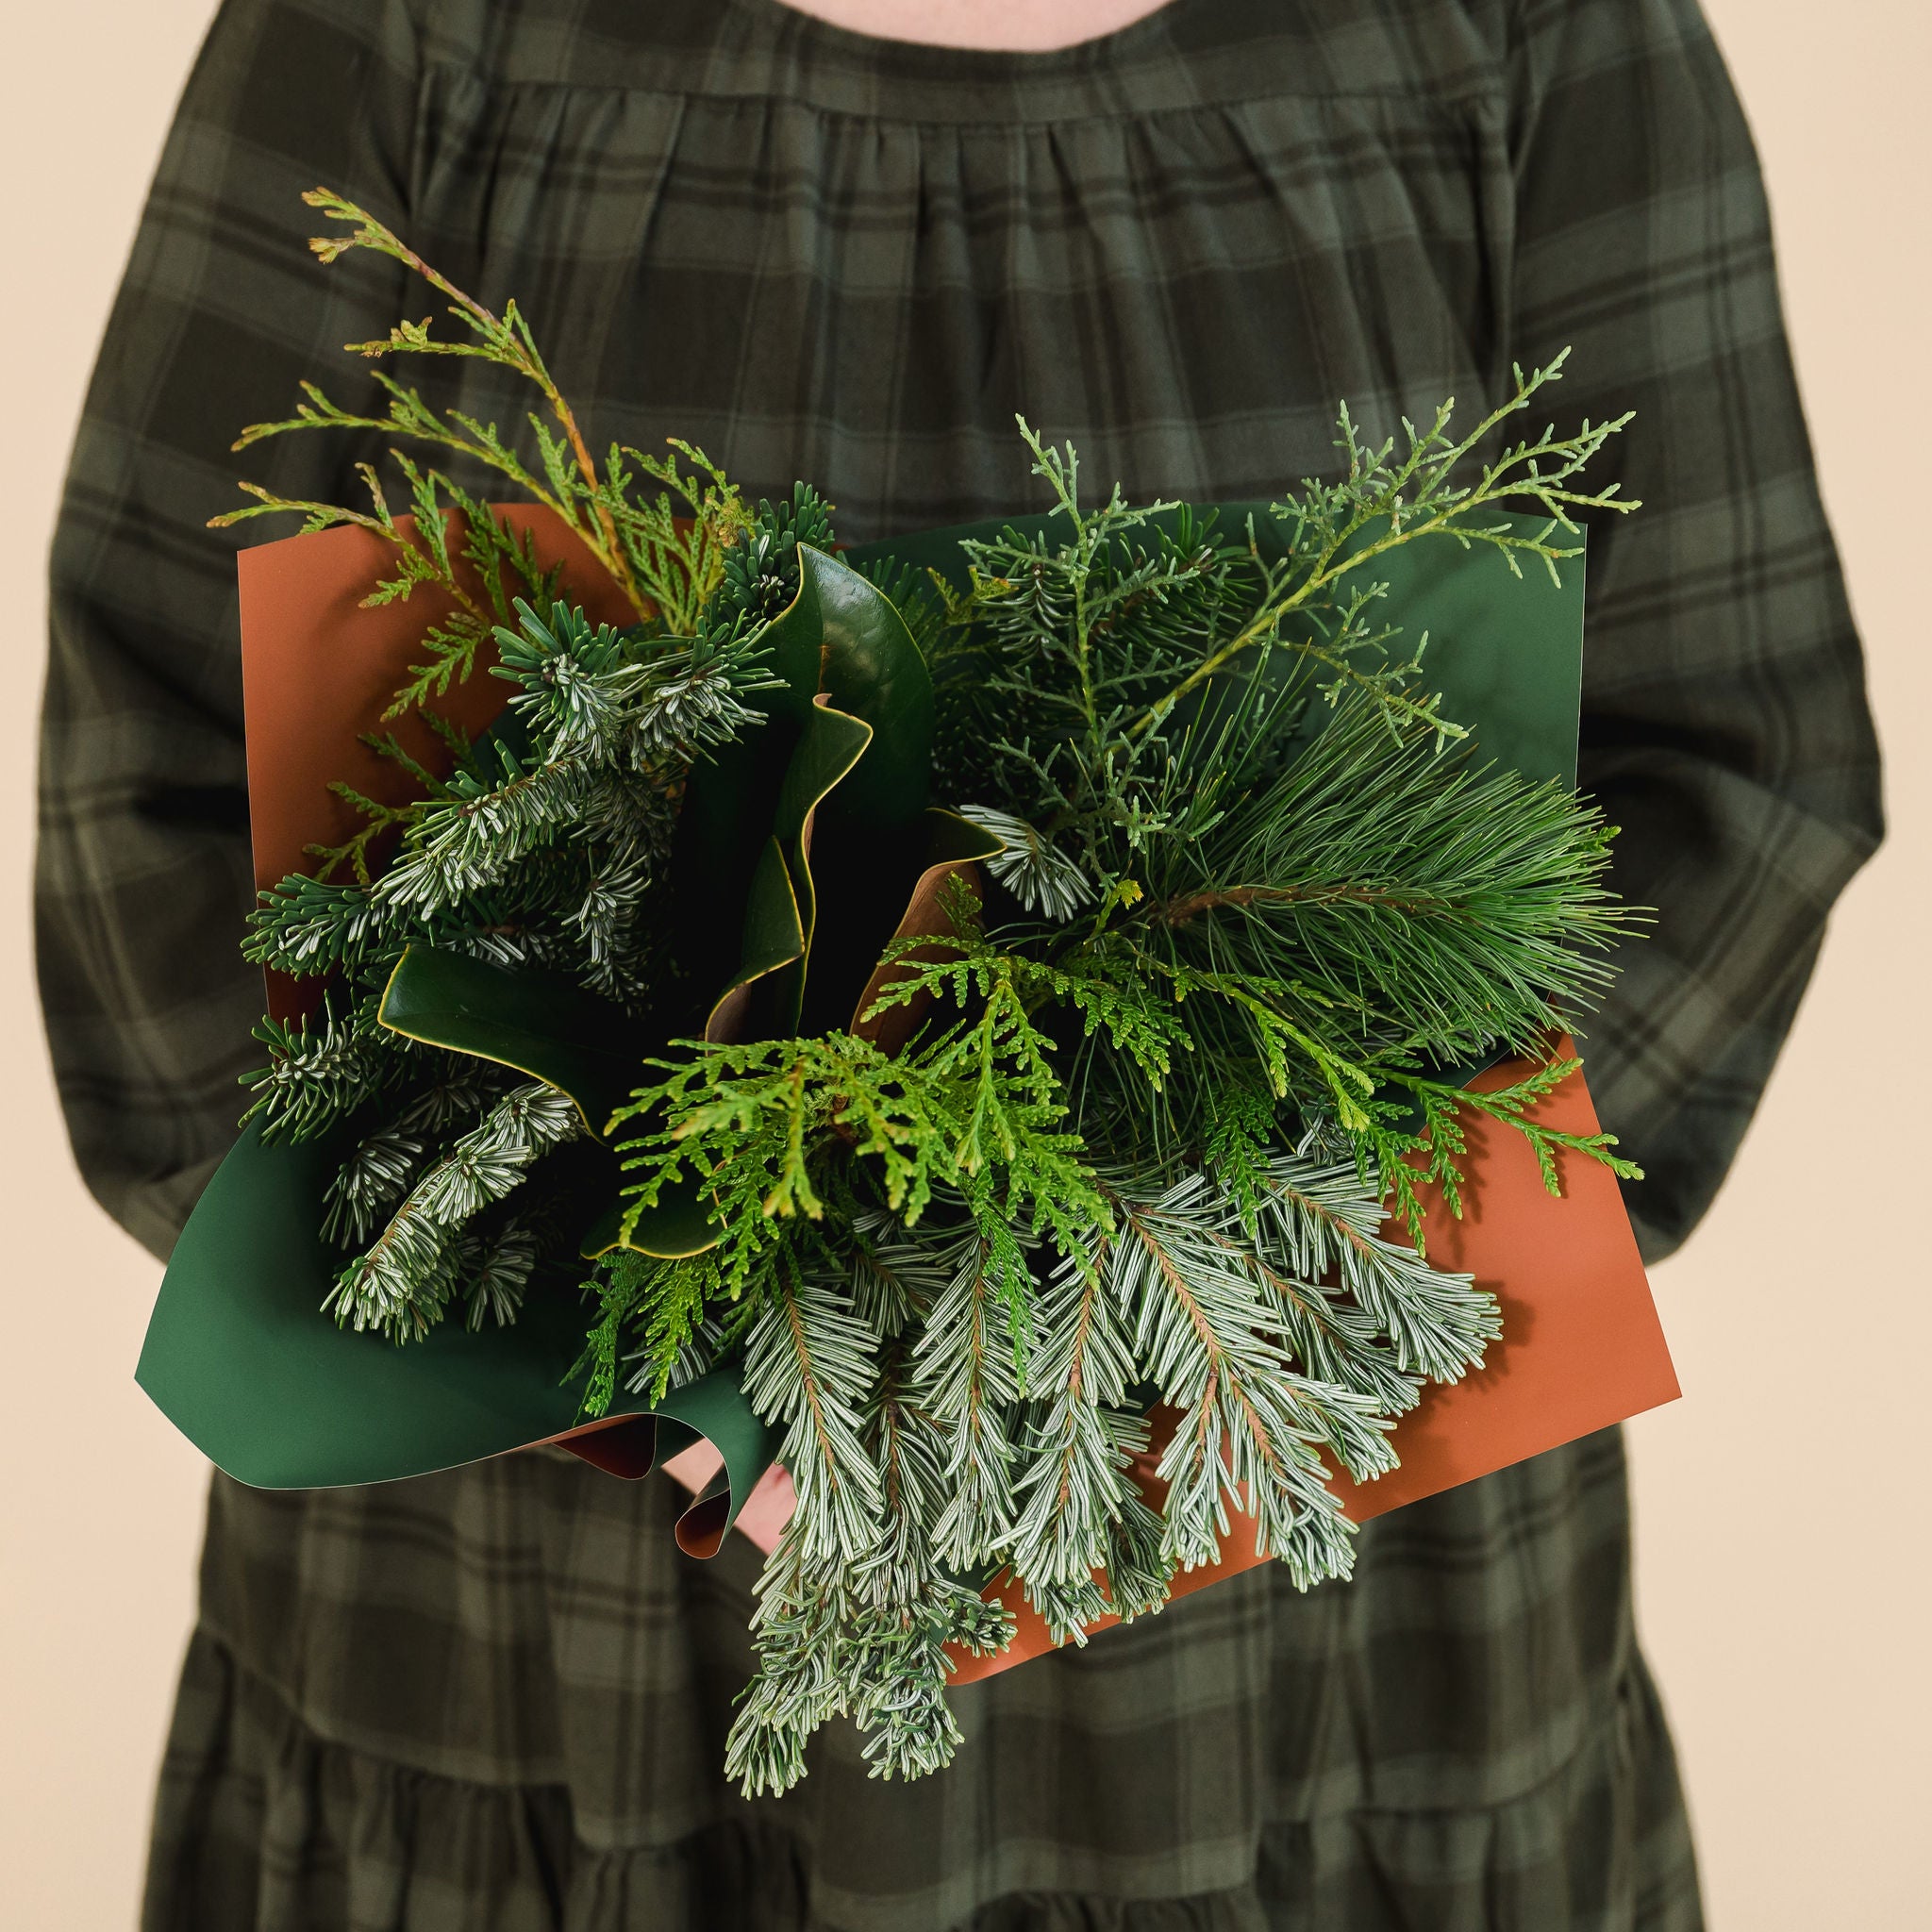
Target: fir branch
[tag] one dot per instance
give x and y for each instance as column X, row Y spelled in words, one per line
column 368, row 1185
column 497, row 1271
column 1317, row 1223
column 808, row 1365
column 1075, row 1486
column 969, row 1378
column 1031, row 867
column 401, row 1284
column 314, row 1078
column 1210, row 1340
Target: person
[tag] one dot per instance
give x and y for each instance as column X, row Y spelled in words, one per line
column 496, row 1698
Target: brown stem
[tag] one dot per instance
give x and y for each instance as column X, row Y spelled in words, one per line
column 827, row 1456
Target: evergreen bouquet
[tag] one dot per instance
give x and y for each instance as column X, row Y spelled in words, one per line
column 989, row 1013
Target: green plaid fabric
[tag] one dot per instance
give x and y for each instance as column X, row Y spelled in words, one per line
column 496, row 1698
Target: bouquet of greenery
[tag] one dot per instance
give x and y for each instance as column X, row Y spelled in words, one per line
column 1003, row 1023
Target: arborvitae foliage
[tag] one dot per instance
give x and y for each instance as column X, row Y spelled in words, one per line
column 1180, row 1064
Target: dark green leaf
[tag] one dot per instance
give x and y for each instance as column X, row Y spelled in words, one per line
column 538, row 1023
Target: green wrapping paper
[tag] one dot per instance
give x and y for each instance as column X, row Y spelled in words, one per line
column 238, row 1357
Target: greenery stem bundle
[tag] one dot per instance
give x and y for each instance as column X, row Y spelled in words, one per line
column 1071, row 1045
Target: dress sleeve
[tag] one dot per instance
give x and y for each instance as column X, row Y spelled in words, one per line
column 143, row 872
column 1725, row 722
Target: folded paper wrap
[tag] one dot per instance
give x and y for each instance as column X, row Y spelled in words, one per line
column 240, row 1358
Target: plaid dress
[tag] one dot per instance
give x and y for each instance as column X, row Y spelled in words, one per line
column 496, row 1699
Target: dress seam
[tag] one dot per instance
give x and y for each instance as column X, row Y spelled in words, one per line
column 1483, row 94
column 1604, row 1720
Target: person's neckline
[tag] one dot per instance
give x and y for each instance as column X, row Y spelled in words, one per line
column 940, row 57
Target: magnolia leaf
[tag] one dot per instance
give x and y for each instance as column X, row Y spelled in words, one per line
column 731, row 797
column 954, row 848
column 773, row 938
column 679, row 1225
column 871, row 669
column 524, row 1017
column 832, row 746
column 844, row 654
column 869, row 839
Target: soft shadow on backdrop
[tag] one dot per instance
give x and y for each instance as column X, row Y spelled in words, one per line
column 1781, row 1576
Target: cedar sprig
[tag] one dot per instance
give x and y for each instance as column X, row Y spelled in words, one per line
column 661, row 527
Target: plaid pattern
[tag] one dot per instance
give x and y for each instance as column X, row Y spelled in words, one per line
column 496, row 1698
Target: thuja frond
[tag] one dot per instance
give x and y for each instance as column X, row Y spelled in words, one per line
column 1511, row 1106
column 570, row 479
column 661, row 527
column 426, row 552
column 620, row 1280
column 1004, row 988
column 1410, row 1155
column 380, row 821
column 1283, row 1024
column 761, row 1124
column 658, row 1307
column 678, row 541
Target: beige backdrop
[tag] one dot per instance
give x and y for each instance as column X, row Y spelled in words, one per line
column 1780, row 1562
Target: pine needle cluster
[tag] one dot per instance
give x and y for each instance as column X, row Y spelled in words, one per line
column 1102, row 1254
